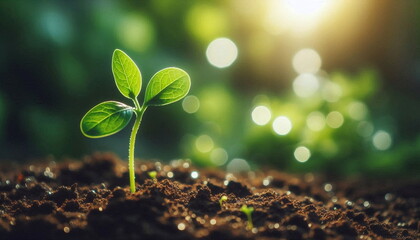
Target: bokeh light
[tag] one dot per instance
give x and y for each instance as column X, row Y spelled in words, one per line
column 357, row 110
column 204, row 143
column 206, row 22
column 238, row 165
column 305, row 85
column 56, row 26
column 382, row 140
column 261, row 115
column 135, row 32
column 222, row 52
column 365, row 129
column 315, row 121
column 331, row 92
column 302, row 154
column 282, row 125
column 307, row 61
column 191, row 104
column 219, row 156
column 335, row 119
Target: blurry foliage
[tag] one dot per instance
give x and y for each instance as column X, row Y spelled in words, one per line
column 55, row 54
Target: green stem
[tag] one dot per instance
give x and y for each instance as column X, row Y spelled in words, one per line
column 139, row 116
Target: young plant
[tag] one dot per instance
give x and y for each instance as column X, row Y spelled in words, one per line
column 152, row 175
column 222, row 199
column 166, row 86
column 248, row 212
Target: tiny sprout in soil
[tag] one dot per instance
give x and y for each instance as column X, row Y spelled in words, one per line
column 222, row 199
column 152, row 175
column 166, row 86
column 248, row 212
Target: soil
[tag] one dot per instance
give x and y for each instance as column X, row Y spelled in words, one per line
column 90, row 199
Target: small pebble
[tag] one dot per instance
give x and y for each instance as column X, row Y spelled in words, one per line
column 66, row 229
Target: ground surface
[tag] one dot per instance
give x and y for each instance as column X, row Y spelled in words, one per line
column 90, row 200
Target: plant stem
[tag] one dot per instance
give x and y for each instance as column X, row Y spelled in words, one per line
column 139, row 116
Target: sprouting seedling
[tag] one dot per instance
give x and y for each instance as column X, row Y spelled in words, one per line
column 222, row 199
column 248, row 212
column 152, row 175
column 166, row 86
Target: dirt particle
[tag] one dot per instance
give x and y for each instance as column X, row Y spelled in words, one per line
column 238, row 189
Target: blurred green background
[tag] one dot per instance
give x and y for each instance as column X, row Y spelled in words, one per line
column 301, row 85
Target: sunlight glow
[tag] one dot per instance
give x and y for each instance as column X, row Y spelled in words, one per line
column 261, row 115
column 222, row 52
column 306, row 7
column 305, row 85
column 306, row 61
column 299, row 16
column 282, row 125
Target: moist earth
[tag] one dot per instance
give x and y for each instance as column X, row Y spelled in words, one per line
column 90, row 199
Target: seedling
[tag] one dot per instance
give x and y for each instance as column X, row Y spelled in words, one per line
column 166, row 86
column 222, row 199
column 248, row 212
column 152, row 175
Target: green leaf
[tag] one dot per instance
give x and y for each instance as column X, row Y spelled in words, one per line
column 106, row 119
column 126, row 74
column 167, row 86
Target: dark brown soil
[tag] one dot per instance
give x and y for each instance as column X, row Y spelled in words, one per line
column 91, row 200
